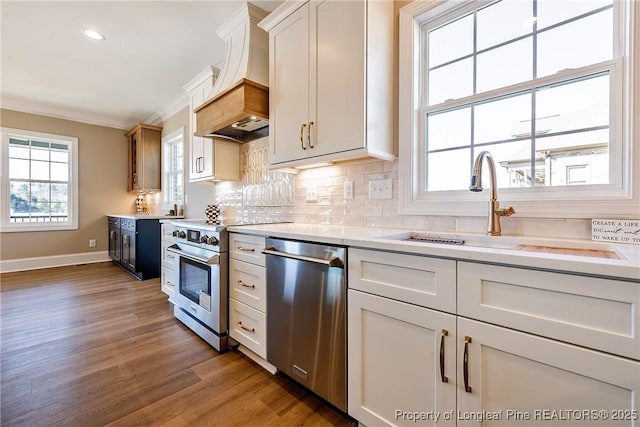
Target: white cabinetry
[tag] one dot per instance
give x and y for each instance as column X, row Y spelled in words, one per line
column 209, row 159
column 167, row 272
column 514, row 369
column 247, row 296
column 331, row 81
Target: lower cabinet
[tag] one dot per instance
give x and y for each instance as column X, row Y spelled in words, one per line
column 399, row 355
column 134, row 244
column 413, row 365
column 167, row 273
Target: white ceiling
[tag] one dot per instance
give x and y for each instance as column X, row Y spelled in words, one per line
column 152, row 49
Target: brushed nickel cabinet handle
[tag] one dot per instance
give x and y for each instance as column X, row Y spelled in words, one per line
column 309, row 135
column 243, row 249
column 241, row 283
column 443, row 377
column 465, row 364
column 245, row 328
column 304, row 125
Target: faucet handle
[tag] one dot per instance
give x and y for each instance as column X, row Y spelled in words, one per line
column 505, row 211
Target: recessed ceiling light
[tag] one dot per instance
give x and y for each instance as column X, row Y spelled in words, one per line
column 93, row 34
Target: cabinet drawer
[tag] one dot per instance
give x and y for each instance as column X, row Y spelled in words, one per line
column 247, row 284
column 246, row 248
column 248, row 326
column 168, row 282
column 425, row 281
column 596, row 313
column 167, row 231
column 168, row 258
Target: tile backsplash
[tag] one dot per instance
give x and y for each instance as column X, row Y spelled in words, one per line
column 272, row 196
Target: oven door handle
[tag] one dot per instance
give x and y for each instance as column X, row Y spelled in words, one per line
column 331, row 262
column 213, row 260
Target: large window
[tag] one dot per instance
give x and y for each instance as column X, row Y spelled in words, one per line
column 173, row 168
column 543, row 85
column 39, row 184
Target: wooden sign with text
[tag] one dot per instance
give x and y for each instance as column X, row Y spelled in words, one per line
column 616, row 230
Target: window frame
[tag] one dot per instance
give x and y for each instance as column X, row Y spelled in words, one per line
column 73, row 212
column 167, row 141
column 620, row 197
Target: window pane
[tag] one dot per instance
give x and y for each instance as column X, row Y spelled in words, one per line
column 60, row 156
column 59, row 172
column 449, row 129
column 18, row 169
column 40, row 192
column 503, row 21
column 59, row 192
column 513, row 164
column 502, row 119
column 18, row 149
column 448, row 170
column 505, row 65
column 39, row 170
column 451, row 82
column 554, row 11
column 19, row 197
column 565, row 153
column 451, row 41
column 39, row 150
column 559, row 49
column 573, row 105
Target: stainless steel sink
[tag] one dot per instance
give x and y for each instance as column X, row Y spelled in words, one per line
column 539, row 245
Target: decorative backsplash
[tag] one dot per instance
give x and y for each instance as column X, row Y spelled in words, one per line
column 265, row 196
column 262, row 195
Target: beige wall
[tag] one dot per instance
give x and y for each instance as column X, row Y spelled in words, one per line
column 102, row 168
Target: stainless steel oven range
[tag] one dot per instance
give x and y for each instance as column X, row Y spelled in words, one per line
column 201, row 298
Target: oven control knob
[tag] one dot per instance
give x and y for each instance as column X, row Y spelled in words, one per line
column 204, row 238
column 175, row 233
column 182, row 234
column 212, row 241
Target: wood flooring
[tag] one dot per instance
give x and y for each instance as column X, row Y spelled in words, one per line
column 90, row 345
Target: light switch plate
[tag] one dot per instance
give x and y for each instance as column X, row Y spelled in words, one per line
column 312, row 194
column 381, row 189
column 348, row 190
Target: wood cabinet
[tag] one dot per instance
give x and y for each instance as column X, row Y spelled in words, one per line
column 248, row 296
column 209, row 159
column 330, row 81
column 145, row 148
column 516, row 347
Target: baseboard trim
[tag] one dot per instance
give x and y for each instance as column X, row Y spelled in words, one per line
column 36, row 263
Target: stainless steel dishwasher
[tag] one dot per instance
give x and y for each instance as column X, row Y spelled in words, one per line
column 306, row 315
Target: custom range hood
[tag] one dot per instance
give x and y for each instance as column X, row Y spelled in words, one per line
column 239, row 107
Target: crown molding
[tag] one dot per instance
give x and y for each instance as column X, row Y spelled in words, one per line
column 178, row 104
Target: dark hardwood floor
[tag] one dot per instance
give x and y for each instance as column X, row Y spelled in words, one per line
column 90, row 345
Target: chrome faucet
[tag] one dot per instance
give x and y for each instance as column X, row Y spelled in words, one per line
column 495, row 211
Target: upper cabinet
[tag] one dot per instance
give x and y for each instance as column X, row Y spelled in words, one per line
column 144, row 158
column 209, row 160
column 330, row 81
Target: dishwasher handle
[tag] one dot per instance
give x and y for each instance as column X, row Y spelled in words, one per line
column 331, row 262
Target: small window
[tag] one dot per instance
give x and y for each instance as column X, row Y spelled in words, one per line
column 509, row 77
column 173, row 169
column 39, row 181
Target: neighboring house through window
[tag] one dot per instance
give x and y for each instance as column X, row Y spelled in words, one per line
column 544, row 85
column 39, row 181
column 173, row 169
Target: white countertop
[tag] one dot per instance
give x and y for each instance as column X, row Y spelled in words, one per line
column 626, row 267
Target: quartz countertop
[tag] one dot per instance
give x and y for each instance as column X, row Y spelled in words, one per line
column 626, row 266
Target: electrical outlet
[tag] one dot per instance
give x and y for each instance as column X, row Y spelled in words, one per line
column 312, row 194
column 92, row 243
column 348, row 190
column 381, row 189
